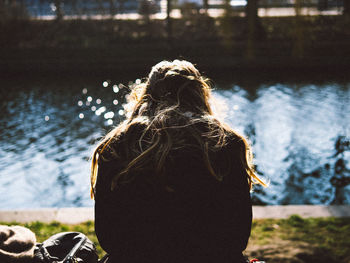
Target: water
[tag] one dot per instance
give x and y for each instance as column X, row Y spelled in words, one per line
column 300, row 134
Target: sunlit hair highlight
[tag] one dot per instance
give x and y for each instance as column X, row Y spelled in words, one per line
column 170, row 104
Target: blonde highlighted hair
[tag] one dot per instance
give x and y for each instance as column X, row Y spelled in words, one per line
column 170, row 105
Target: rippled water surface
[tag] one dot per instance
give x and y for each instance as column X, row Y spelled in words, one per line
column 300, row 134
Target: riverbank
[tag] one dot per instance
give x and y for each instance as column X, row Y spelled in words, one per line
column 82, row 214
column 298, row 43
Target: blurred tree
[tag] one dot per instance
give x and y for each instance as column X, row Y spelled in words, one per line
column 112, row 8
column 228, row 8
column 101, row 9
column 75, row 10
column 2, row 10
column 121, row 6
column 346, row 10
column 147, row 8
column 227, row 26
column 189, row 9
column 323, row 4
column 13, row 10
column 205, row 5
column 168, row 19
column 254, row 28
column 41, row 9
column 298, row 49
column 58, row 9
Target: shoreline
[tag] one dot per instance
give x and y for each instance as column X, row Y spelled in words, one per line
column 76, row 215
column 102, row 47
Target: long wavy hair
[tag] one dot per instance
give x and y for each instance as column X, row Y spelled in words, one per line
column 171, row 105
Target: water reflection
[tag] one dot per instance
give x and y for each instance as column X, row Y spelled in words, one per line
column 300, row 136
column 294, row 131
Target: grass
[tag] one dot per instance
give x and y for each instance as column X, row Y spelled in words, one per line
column 291, row 240
column 301, row 240
column 45, row 230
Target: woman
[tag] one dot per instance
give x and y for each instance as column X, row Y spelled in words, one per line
column 171, row 183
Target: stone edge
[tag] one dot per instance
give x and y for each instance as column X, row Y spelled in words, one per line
column 77, row 215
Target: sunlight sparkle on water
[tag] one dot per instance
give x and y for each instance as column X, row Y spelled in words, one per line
column 100, row 111
column 109, row 115
column 299, row 134
column 115, row 88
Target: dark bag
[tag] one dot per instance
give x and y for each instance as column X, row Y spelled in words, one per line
column 66, row 247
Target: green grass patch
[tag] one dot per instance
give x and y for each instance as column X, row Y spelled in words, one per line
column 45, row 230
column 329, row 238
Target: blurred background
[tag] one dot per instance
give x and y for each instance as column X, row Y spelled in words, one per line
column 280, row 70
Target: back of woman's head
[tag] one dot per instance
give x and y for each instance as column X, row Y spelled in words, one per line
column 168, row 112
column 176, row 85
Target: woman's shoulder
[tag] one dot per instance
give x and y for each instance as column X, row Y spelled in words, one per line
column 234, row 140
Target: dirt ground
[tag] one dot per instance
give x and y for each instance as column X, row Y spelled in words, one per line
column 289, row 251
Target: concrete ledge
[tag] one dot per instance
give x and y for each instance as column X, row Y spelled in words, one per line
column 81, row 214
column 306, row 211
column 74, row 215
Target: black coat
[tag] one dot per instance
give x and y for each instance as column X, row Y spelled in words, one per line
column 202, row 220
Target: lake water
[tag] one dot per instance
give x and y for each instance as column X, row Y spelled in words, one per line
column 300, row 132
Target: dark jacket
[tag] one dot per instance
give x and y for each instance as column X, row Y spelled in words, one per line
column 202, row 220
